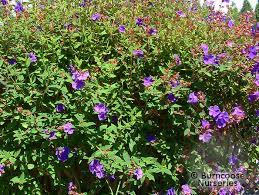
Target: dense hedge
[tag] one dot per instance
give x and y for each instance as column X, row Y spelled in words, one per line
column 121, row 97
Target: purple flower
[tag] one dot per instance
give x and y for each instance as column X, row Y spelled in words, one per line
column 239, row 187
column 60, row 108
column 78, row 84
column 2, row 171
column 225, row 1
column 252, row 52
column 62, row 153
column 102, row 116
column 231, row 23
column 171, row 97
column 112, row 178
column 83, row 3
column 71, row 187
column 210, row 59
column 186, row 189
column 68, row 128
column 253, row 96
column 223, row 191
column 102, row 111
column 205, row 137
column 139, row 21
column 100, row 108
column 193, row 99
column 222, row 119
column 18, row 7
column 138, row 53
column 80, row 75
column 257, row 113
column 148, row 81
column 238, row 113
column 205, row 124
column 181, row 14
column 170, row 191
column 151, row 138
column 177, row 59
column 96, row 16
column 255, row 68
column 214, row 111
column 138, row 173
column 12, row 61
column 97, row 169
column 152, row 31
column 32, row 57
column 233, row 160
column 52, row 135
column 122, row 28
column 205, row 48
column 174, row 83
column 4, row 2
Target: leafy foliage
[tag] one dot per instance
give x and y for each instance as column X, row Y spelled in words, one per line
column 140, row 77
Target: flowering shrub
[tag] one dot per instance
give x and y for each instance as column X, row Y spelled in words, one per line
column 124, row 97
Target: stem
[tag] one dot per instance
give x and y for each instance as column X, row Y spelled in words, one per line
column 118, row 187
column 109, row 186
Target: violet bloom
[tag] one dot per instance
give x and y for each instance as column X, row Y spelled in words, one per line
column 100, row 107
column 96, row 16
column 231, row 24
column 60, row 108
column 205, row 137
column 102, row 116
column 151, row 138
column 2, row 171
column 148, row 81
column 19, row 7
column 102, row 111
column 83, row 3
column 78, row 84
column 239, row 187
column 68, row 128
column 193, row 99
column 238, row 113
column 257, row 113
column 62, row 153
column 174, row 83
column 52, row 135
column 71, row 187
column 122, row 28
column 205, row 124
column 253, row 97
column 252, row 52
column 209, row 59
column 177, row 59
column 171, row 97
column 181, row 14
column 170, row 191
column 205, row 48
column 4, row 2
column 222, row 119
column 138, row 53
column 214, row 111
column 152, row 31
column 139, row 21
column 255, row 68
column 138, row 173
column 223, row 191
column 33, row 57
column 12, row 61
column 225, row 1
column 97, row 169
column 233, row 160
column 186, row 190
